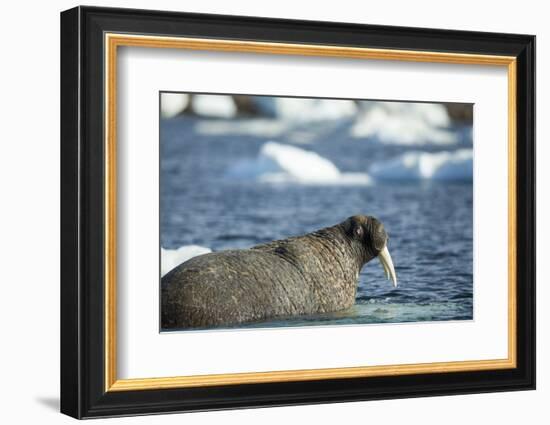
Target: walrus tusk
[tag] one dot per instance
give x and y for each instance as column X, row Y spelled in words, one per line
column 387, row 263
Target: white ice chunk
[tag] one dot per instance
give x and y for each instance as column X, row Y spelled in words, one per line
column 173, row 104
column 404, row 124
column 171, row 258
column 214, row 106
column 454, row 165
column 279, row 163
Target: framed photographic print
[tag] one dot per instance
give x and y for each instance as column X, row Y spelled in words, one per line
column 261, row 212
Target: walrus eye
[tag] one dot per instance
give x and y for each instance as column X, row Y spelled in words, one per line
column 358, row 231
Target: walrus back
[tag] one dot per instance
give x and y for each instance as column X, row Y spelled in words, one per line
column 231, row 287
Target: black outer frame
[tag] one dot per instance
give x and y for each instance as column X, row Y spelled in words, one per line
column 82, row 218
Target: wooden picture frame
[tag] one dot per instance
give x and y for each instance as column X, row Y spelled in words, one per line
column 90, row 38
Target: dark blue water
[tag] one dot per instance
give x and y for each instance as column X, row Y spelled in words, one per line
column 429, row 223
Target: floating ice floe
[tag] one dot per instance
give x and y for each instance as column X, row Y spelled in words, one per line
column 173, row 104
column 171, row 258
column 404, row 124
column 306, row 110
column 278, row 163
column 214, row 106
column 204, row 105
column 454, row 165
column 283, row 116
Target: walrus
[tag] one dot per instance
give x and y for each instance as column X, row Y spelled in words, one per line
column 310, row 274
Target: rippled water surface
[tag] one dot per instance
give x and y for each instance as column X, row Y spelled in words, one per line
column 429, row 223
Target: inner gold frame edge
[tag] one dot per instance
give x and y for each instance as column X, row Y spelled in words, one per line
column 113, row 41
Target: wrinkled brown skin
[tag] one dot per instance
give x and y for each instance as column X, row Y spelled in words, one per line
column 310, row 274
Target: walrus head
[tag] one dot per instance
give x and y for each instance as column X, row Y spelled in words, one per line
column 371, row 237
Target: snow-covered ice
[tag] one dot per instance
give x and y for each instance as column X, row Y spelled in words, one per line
column 404, row 124
column 280, row 163
column 415, row 165
column 171, row 258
